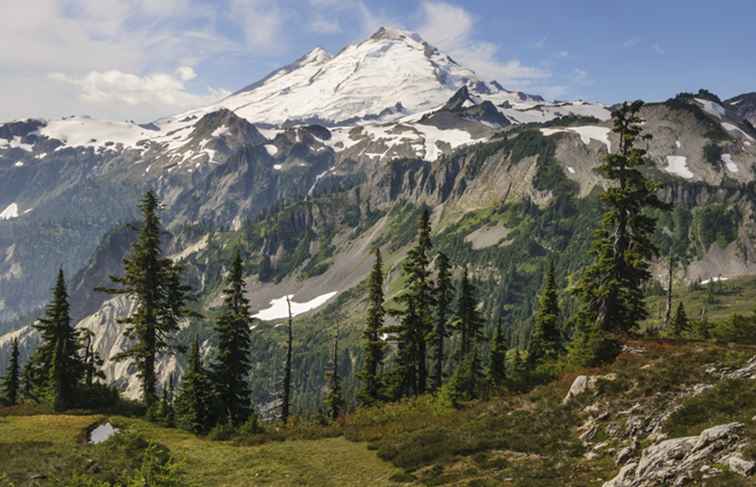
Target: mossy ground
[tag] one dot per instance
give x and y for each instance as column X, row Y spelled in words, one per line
column 43, row 450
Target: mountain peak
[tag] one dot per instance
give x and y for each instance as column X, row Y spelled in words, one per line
column 394, row 34
column 317, row 55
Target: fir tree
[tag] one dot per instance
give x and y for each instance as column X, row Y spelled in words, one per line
column 416, row 318
column 466, row 381
column 443, row 297
column 546, row 337
column 11, row 381
column 286, row 394
column 334, row 399
column 232, row 328
column 680, row 324
column 154, row 283
column 610, row 289
column 192, row 404
column 373, row 343
column 469, row 322
column 497, row 364
column 56, row 367
column 91, row 361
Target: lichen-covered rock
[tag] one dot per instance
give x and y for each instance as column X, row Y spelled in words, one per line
column 740, row 465
column 679, row 460
column 584, row 383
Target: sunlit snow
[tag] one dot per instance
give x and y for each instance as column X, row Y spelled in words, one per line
column 729, row 163
column 587, row 133
column 102, row 433
column 678, row 165
column 278, row 308
column 11, row 211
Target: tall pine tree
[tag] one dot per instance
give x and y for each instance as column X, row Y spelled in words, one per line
column 415, row 319
column 154, row 283
column 286, row 393
column 230, row 371
column 11, row 380
column 56, row 366
column 469, row 321
column 443, row 295
column 497, row 363
column 373, row 342
column 334, row 398
column 610, row 289
column 546, row 336
column 193, row 401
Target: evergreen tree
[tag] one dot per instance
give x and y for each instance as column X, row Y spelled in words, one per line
column 56, row 366
column 469, row 321
column 680, row 324
column 497, row 364
column 154, row 283
column 546, row 336
column 416, row 317
column 193, row 401
column 11, row 381
column 286, row 395
column 373, row 343
column 91, row 361
column 466, row 381
column 232, row 328
column 334, row 399
column 610, row 290
column 443, row 305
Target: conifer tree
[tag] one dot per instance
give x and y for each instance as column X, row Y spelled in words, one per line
column 469, row 321
column 286, row 395
column 680, row 324
column 546, row 336
column 465, row 382
column 91, row 361
column 57, row 368
column 232, row 328
column 11, row 381
column 334, row 398
column 373, row 343
column 610, row 289
column 193, row 401
column 442, row 310
column 154, row 283
column 416, row 317
column 497, row 364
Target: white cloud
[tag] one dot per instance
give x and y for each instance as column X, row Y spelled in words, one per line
column 262, row 22
column 451, row 29
column 631, row 42
column 323, row 25
column 79, row 39
column 658, row 49
column 161, row 89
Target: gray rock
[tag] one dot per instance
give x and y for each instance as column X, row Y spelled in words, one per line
column 676, row 461
column 740, row 465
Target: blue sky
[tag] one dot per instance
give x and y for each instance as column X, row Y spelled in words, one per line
column 140, row 59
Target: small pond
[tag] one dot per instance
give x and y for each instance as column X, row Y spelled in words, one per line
column 102, row 433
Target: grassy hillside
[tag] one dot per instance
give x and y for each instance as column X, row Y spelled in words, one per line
column 510, row 439
column 44, row 450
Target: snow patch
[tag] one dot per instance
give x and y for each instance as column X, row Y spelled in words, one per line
column 11, row 211
column 102, row 433
column 732, row 128
column 19, row 164
column 571, row 169
column 587, row 133
column 100, row 134
column 278, row 167
column 678, row 144
column 729, row 163
column 714, row 279
column 678, row 165
column 711, row 107
column 278, row 308
column 271, row 149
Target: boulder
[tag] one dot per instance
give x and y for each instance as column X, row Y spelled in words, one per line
column 584, row 383
column 678, row 460
column 740, row 465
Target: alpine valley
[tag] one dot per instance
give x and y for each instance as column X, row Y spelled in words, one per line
column 316, row 165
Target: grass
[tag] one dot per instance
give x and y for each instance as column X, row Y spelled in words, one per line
column 55, row 445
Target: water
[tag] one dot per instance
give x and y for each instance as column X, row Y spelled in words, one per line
column 102, row 433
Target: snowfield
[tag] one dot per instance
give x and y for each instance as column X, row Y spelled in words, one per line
column 587, row 133
column 11, row 211
column 678, row 165
column 278, row 308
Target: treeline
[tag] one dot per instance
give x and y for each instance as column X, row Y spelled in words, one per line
column 430, row 338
